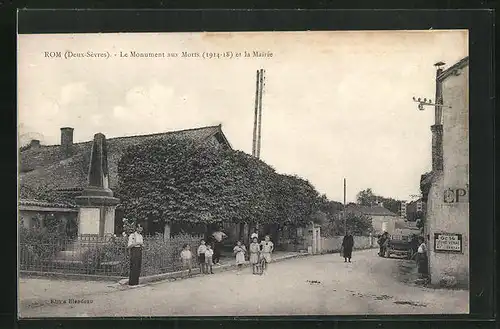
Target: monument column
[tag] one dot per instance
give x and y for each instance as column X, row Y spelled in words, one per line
column 96, row 215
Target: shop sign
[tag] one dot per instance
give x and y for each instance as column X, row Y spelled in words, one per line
column 448, row 242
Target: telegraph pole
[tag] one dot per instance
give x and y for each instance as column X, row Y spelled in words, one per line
column 260, row 112
column 254, row 142
column 257, row 124
column 344, row 212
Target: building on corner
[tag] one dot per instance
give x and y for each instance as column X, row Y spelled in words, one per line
column 446, row 189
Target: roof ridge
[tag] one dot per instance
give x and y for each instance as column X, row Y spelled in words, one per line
column 147, row 135
column 458, row 65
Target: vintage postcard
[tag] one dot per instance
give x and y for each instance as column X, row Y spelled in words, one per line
column 243, row 174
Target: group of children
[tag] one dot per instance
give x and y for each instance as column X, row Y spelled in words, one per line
column 258, row 251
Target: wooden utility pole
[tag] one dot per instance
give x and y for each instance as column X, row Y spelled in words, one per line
column 254, row 142
column 257, row 124
column 344, row 213
column 259, row 133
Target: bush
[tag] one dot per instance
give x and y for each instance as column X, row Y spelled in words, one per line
column 38, row 245
column 107, row 257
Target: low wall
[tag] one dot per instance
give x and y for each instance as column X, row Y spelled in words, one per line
column 333, row 244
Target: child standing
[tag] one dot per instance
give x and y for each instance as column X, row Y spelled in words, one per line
column 208, row 258
column 201, row 256
column 186, row 258
column 254, row 254
column 239, row 250
column 267, row 248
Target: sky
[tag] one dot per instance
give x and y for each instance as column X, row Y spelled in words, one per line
column 335, row 105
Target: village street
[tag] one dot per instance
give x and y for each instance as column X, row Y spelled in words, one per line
column 315, row 285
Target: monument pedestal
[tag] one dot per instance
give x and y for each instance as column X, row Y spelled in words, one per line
column 96, row 215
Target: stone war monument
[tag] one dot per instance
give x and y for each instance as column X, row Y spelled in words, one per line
column 96, row 215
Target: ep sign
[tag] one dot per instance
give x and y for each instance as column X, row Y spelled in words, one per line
column 457, row 195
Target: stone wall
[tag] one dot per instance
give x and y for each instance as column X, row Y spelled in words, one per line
column 333, row 244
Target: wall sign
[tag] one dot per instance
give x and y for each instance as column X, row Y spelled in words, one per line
column 456, row 195
column 448, row 242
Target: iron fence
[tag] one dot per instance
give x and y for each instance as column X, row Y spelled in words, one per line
column 101, row 256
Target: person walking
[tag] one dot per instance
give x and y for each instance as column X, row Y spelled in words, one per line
column 135, row 244
column 347, row 245
column 217, row 238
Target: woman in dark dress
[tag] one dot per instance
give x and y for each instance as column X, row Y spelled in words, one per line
column 347, row 245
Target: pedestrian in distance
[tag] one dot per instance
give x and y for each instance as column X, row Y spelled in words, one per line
column 208, row 259
column 266, row 249
column 239, row 251
column 254, row 254
column 135, row 244
column 201, row 256
column 414, row 244
column 187, row 258
column 382, row 242
column 347, row 245
column 255, row 234
column 217, row 238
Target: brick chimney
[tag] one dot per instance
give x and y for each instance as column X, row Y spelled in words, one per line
column 437, row 147
column 67, row 140
column 437, row 128
column 34, row 144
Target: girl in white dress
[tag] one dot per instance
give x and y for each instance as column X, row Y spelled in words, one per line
column 240, row 250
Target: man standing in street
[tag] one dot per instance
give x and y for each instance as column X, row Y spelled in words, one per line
column 218, row 236
column 135, row 244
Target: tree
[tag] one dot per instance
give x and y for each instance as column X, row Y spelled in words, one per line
column 359, row 224
column 368, row 198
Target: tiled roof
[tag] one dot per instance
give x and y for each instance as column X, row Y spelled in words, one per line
column 371, row 211
column 43, row 204
column 46, row 165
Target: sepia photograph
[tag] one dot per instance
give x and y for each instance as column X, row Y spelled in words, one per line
column 243, row 173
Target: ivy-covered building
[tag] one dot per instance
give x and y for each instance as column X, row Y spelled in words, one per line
column 51, row 176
